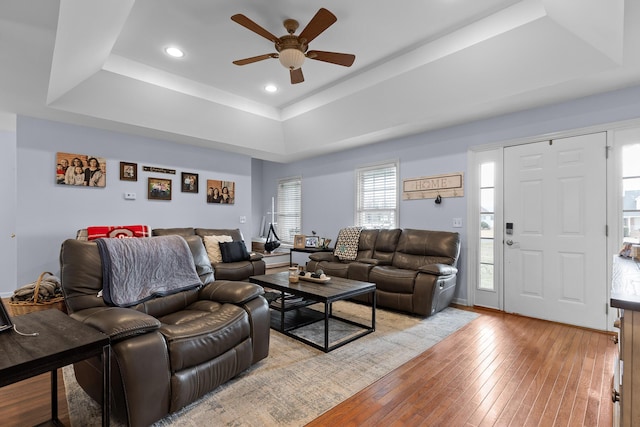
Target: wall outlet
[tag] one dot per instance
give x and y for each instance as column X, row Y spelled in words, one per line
column 243, row 219
column 130, row 196
column 457, row 222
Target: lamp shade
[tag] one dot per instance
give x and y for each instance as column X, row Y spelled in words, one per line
column 291, row 58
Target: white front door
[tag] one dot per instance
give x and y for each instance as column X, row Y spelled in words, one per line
column 555, row 209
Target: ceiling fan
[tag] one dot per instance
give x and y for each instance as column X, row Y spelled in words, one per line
column 292, row 49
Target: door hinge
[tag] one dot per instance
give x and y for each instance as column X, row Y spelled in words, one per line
column 606, row 308
column 606, row 151
column 606, row 230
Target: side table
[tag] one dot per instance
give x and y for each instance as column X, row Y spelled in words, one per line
column 60, row 342
column 308, row 251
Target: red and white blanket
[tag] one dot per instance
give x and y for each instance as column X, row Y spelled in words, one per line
column 117, row 231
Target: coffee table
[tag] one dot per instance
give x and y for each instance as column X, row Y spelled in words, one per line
column 291, row 311
column 60, row 341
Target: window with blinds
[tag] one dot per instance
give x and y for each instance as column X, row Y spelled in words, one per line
column 377, row 196
column 289, row 212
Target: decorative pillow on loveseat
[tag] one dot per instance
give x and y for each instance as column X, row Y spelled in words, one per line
column 234, row 251
column 212, row 244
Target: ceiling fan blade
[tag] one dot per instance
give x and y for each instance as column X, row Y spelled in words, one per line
column 344, row 59
column 255, row 59
column 249, row 24
column 322, row 20
column 296, row 76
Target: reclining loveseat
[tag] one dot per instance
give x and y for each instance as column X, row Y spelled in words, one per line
column 172, row 340
column 239, row 268
column 414, row 270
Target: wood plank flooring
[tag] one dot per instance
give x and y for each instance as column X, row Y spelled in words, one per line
column 499, row 370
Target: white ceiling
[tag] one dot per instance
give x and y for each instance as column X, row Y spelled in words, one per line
column 420, row 65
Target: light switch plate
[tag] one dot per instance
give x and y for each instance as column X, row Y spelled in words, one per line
column 457, row 222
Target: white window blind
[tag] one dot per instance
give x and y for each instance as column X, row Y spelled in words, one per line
column 289, row 212
column 377, row 196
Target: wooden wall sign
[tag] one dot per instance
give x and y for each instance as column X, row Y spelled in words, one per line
column 429, row 187
column 159, row 170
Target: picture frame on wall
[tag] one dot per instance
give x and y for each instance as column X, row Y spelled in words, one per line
column 189, row 182
column 159, row 189
column 299, row 241
column 81, row 170
column 221, row 192
column 128, row 171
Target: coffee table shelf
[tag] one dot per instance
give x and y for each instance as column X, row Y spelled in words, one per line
column 296, row 314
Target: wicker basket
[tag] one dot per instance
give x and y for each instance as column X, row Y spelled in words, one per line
column 24, row 307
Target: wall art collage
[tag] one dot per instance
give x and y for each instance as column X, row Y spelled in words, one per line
column 91, row 171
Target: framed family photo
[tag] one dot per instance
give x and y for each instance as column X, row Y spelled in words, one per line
column 299, row 241
column 189, row 182
column 82, row 170
column 311, row 242
column 159, row 189
column 128, row 171
column 223, row 192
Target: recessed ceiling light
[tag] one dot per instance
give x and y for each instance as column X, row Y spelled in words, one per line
column 271, row 88
column 174, row 51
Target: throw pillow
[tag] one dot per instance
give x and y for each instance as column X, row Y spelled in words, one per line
column 347, row 243
column 234, row 251
column 212, row 244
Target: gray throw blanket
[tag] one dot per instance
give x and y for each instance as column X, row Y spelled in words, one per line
column 138, row 269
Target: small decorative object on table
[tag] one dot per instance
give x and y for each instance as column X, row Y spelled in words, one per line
column 317, row 277
column 293, row 274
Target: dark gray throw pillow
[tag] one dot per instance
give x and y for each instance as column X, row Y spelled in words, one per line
column 233, row 251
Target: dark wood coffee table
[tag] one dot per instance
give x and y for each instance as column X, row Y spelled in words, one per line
column 291, row 311
column 60, row 342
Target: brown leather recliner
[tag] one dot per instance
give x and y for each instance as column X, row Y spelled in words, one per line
column 167, row 351
column 414, row 270
column 240, row 270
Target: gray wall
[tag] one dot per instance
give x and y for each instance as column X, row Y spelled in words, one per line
column 328, row 182
column 44, row 214
column 47, row 213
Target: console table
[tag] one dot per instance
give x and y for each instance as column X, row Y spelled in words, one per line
column 308, row 251
column 60, row 342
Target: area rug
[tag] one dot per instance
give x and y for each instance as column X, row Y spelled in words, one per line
column 297, row 383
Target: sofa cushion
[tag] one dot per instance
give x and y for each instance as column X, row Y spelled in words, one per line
column 398, row 280
column 203, row 331
column 233, row 251
column 184, row 231
column 212, row 243
column 235, row 233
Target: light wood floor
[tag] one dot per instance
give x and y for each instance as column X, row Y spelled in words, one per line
column 499, row 370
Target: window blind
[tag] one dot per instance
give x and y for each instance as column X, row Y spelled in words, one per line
column 289, row 212
column 377, row 196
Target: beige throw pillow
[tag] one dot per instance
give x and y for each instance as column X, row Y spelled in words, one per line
column 212, row 244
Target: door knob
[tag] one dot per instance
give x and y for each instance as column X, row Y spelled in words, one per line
column 509, row 242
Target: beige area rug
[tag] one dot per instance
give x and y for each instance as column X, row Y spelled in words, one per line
column 297, row 383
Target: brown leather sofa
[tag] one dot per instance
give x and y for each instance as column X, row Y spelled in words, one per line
column 169, row 350
column 239, row 270
column 414, row 270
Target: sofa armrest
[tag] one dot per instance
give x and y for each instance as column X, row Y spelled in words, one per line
column 438, row 269
column 254, row 256
column 227, row 291
column 323, row 256
column 117, row 322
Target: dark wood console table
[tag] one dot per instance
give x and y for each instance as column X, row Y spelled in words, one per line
column 308, row 251
column 60, row 342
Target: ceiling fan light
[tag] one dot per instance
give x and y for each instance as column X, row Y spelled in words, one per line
column 291, row 59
